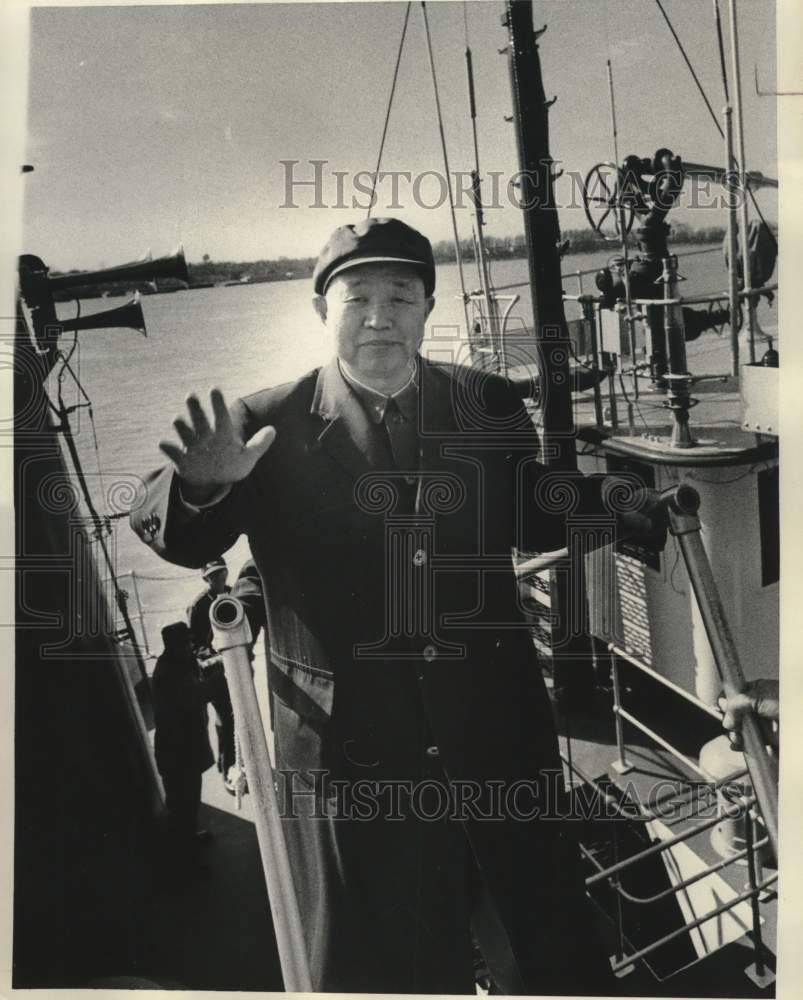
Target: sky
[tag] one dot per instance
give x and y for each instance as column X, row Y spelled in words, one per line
column 153, row 125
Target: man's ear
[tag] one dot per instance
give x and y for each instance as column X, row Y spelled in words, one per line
column 430, row 304
column 319, row 305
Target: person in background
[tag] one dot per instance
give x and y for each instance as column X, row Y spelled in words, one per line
column 182, row 749
column 215, row 573
column 760, row 696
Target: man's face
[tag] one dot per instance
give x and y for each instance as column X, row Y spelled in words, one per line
column 217, row 581
column 377, row 315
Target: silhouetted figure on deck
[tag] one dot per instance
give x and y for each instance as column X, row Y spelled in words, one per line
column 183, row 753
column 215, row 573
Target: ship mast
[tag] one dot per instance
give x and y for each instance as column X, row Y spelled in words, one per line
column 542, row 233
column 572, row 658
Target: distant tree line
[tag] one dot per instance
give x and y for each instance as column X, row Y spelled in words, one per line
column 210, row 272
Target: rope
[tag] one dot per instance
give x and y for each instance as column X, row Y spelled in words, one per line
column 390, row 105
column 458, row 255
column 713, row 115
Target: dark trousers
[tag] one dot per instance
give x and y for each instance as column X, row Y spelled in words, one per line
column 390, row 906
column 183, row 800
column 224, row 728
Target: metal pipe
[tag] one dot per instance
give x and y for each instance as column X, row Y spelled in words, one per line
column 657, row 848
column 482, row 264
column 590, row 315
column 673, row 890
column 622, row 764
column 676, row 688
column 723, row 908
column 677, row 377
column 690, row 300
column 546, row 560
column 737, row 93
column 763, row 769
column 733, row 252
column 758, row 946
column 233, row 640
column 634, row 721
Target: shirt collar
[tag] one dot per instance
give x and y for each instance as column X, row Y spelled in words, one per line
column 375, row 402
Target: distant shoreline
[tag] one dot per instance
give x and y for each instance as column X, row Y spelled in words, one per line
column 208, row 273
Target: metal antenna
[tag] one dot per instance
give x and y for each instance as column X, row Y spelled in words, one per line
column 620, row 215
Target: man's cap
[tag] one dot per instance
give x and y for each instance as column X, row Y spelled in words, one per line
column 214, row 567
column 175, row 632
column 374, row 241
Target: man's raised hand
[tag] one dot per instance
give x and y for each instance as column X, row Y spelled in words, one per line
column 213, row 455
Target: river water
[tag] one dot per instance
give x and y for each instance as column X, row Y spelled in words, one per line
column 241, row 339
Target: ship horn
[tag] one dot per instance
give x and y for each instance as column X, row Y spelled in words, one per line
column 128, row 315
column 147, row 269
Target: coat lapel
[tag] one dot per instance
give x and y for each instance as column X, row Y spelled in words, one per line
column 436, row 415
column 347, row 434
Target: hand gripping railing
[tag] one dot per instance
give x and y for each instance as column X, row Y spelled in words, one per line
column 232, row 637
column 682, row 503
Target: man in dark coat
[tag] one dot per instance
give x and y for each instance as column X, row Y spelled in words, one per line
column 181, row 742
column 215, row 574
column 381, row 496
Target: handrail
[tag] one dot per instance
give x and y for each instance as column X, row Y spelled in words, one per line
column 593, row 270
column 682, row 504
column 679, row 300
column 675, row 688
column 653, row 849
column 723, row 908
column 232, row 639
column 697, row 877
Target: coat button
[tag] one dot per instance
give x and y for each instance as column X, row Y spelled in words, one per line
column 433, row 752
column 419, row 558
column 430, row 653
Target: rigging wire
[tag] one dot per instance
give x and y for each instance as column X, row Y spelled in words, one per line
column 722, row 62
column 390, row 106
column 712, row 113
column 67, row 367
column 690, row 67
column 458, row 255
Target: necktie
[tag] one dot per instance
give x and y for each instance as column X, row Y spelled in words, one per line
column 403, row 438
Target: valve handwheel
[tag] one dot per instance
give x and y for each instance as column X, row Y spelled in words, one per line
column 607, row 202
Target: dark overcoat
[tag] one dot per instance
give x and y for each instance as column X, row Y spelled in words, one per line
column 372, row 575
column 180, row 694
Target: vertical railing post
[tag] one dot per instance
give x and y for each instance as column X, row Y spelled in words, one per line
column 621, row 765
column 140, row 614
